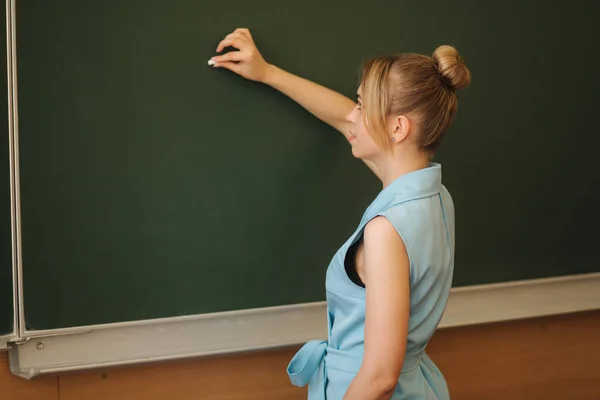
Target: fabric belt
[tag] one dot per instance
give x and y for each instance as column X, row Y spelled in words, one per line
column 308, row 366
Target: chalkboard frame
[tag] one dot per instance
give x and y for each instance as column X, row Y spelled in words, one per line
column 7, row 338
column 70, row 349
column 57, row 350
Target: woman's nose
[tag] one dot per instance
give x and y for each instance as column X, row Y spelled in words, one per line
column 350, row 116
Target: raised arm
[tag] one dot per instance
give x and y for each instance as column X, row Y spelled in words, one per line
column 329, row 106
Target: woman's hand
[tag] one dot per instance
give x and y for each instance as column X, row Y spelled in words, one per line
column 247, row 61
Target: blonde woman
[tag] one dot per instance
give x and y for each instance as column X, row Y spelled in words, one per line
column 387, row 286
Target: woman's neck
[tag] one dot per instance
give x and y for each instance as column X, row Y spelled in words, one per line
column 395, row 166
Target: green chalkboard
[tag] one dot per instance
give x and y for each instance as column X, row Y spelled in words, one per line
column 154, row 186
column 6, row 278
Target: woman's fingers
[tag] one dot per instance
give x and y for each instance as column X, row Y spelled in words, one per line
column 240, row 37
column 230, row 65
column 231, row 56
column 236, row 35
column 247, row 61
column 233, row 41
column 229, row 42
column 244, row 32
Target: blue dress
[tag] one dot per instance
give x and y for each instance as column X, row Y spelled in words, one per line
column 422, row 211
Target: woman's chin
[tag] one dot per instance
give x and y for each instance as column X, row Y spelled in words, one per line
column 359, row 154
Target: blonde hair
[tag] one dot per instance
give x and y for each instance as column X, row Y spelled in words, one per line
column 414, row 84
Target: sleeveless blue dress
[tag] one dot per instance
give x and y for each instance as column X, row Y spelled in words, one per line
column 422, row 211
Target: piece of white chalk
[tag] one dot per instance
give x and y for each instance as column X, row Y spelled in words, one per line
column 211, row 62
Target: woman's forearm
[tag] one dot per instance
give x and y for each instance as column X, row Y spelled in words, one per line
column 328, row 105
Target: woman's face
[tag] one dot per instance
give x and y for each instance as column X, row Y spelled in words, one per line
column 363, row 145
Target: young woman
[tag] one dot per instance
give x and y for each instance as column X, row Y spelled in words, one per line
column 388, row 285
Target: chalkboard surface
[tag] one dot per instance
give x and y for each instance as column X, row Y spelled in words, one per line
column 154, row 186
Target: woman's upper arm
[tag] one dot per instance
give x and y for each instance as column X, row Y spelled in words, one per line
column 387, row 281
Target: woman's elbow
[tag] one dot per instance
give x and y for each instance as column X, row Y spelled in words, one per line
column 385, row 381
column 388, row 384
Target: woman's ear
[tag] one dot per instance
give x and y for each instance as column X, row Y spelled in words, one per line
column 400, row 129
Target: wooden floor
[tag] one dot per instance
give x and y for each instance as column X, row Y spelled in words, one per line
column 555, row 358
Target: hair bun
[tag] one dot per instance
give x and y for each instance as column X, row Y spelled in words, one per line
column 451, row 67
